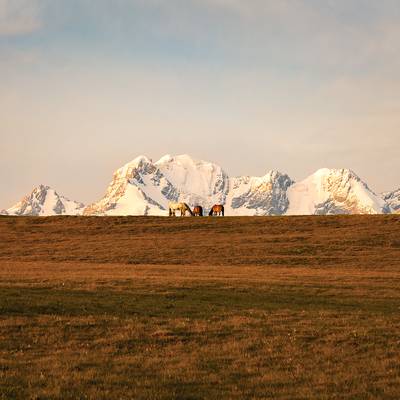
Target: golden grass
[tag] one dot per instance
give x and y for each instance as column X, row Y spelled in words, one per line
column 282, row 308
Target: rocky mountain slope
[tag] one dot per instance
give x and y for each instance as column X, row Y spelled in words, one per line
column 144, row 187
column 334, row 191
column 266, row 195
column 393, row 199
column 44, row 200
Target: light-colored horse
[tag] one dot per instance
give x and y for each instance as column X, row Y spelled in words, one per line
column 182, row 207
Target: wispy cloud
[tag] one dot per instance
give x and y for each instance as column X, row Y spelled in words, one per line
column 19, row 17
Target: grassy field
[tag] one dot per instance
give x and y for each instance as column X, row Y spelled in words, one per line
column 200, row 308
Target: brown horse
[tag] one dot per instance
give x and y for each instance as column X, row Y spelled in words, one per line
column 198, row 211
column 217, row 209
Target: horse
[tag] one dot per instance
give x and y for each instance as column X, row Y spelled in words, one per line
column 217, row 209
column 198, row 211
column 182, row 207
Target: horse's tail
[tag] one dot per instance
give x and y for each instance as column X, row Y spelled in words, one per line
column 223, row 210
column 201, row 211
column 211, row 211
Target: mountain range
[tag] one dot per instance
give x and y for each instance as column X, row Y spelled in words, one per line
column 144, row 187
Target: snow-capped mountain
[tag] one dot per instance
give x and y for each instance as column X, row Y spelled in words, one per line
column 334, row 191
column 144, row 187
column 195, row 181
column 45, row 201
column 125, row 196
column 393, row 199
column 266, row 195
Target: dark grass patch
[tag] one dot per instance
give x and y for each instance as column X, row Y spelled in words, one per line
column 194, row 302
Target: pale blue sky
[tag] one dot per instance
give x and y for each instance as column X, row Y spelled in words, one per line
column 293, row 85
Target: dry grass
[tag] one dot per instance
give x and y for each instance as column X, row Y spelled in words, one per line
column 152, row 308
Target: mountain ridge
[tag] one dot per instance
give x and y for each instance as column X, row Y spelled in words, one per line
column 144, row 187
column 44, row 201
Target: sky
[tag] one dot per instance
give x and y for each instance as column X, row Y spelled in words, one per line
column 255, row 85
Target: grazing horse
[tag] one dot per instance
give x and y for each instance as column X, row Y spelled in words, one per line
column 198, row 211
column 217, row 209
column 182, row 207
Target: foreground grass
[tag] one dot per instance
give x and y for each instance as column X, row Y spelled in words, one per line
column 73, row 329
column 195, row 333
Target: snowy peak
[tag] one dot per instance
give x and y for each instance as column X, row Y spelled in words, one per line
column 125, row 194
column 264, row 195
column 133, row 167
column 393, row 199
column 45, row 201
column 334, row 191
column 165, row 159
column 142, row 187
column 197, row 181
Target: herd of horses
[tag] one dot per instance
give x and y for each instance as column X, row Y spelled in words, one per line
column 183, row 208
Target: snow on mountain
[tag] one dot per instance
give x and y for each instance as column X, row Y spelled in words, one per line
column 393, row 199
column 266, row 195
column 45, row 201
column 142, row 187
column 195, row 181
column 126, row 195
column 334, row 191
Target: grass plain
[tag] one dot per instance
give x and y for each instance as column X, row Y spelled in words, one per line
column 200, row 308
